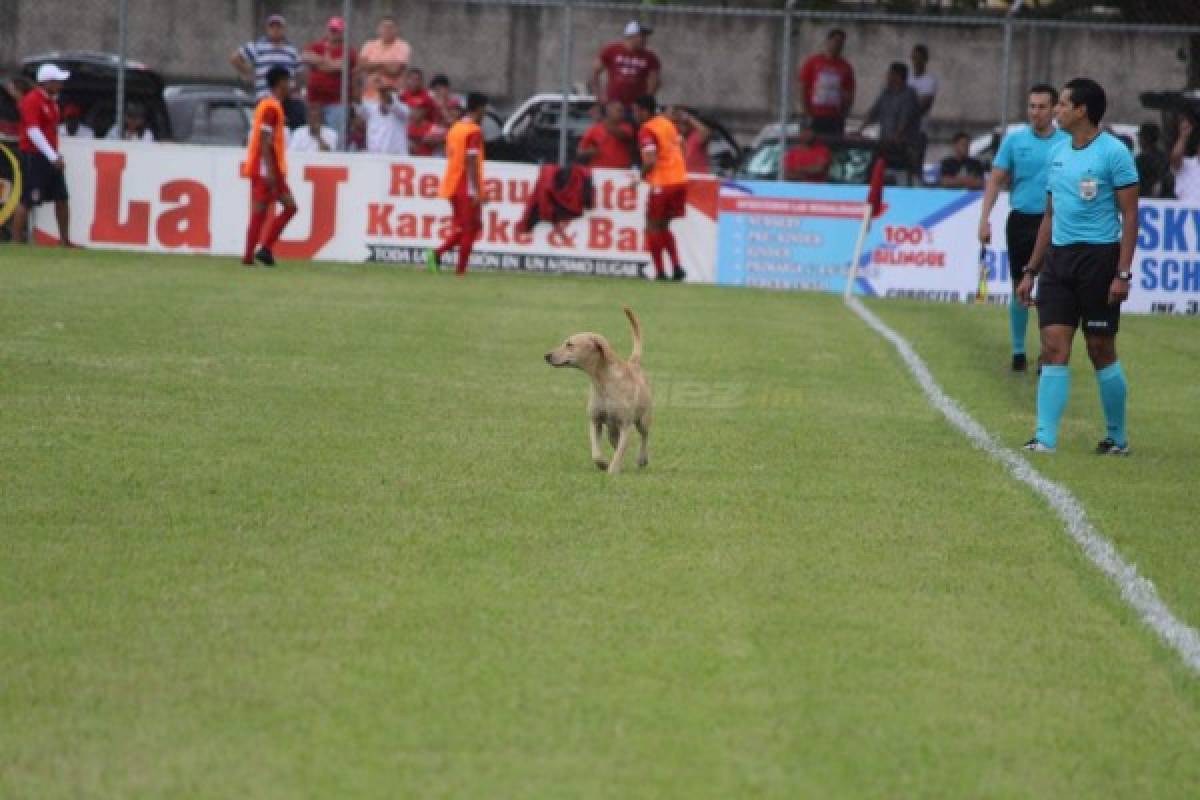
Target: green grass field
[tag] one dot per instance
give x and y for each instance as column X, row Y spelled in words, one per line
column 333, row 531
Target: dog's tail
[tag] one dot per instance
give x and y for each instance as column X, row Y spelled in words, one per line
column 636, row 356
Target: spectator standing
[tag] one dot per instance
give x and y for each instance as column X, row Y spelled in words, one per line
column 41, row 163
column 899, row 116
column 960, row 171
column 254, row 59
column 1153, row 164
column 827, row 86
column 384, row 60
column 695, row 135
column 1185, row 162
column 134, row 129
column 924, row 84
column 72, row 123
column 926, row 87
column 325, row 58
column 313, row 137
column 808, row 161
column 387, row 123
column 609, row 142
column 629, row 68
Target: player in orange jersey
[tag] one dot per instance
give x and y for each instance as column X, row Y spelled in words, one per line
column 266, row 167
column 664, row 168
column 462, row 185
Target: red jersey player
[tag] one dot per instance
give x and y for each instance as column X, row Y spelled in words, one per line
column 664, row 168
column 266, row 167
column 462, row 185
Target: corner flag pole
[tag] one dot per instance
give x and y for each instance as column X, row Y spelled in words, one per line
column 873, row 208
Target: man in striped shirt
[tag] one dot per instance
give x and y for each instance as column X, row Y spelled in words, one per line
column 253, row 59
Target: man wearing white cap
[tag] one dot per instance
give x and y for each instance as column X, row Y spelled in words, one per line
column 41, row 163
column 631, row 71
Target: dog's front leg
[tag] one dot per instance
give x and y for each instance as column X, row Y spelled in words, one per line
column 619, row 455
column 594, row 431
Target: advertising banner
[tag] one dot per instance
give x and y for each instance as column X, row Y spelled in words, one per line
column 919, row 247
column 362, row 207
column 358, row 207
column 925, row 245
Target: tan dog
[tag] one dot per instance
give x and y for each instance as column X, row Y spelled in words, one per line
column 620, row 397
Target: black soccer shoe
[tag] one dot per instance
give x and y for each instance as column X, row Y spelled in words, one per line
column 678, row 274
column 1109, row 447
column 1018, row 362
column 265, row 257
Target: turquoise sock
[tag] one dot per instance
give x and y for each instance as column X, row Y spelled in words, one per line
column 1113, row 389
column 1053, row 389
column 1018, row 321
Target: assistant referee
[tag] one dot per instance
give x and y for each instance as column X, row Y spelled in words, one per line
column 1021, row 164
column 1081, row 261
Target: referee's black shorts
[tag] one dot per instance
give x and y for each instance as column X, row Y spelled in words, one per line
column 1021, row 231
column 1073, row 288
column 41, row 181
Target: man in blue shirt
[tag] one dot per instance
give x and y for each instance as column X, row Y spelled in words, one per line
column 1021, row 164
column 1082, row 262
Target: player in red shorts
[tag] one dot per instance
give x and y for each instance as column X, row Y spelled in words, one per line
column 664, row 168
column 462, row 185
column 266, row 167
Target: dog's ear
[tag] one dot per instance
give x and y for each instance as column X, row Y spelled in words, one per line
column 603, row 347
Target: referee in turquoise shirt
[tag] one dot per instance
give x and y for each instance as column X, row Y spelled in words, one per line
column 1021, row 164
column 1082, row 263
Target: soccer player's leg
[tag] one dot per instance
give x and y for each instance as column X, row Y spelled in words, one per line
column 656, row 225
column 284, row 196
column 1100, row 322
column 260, row 196
column 1058, row 315
column 1021, row 234
column 675, row 208
column 472, row 228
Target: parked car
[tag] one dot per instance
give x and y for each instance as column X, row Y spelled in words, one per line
column 851, row 163
column 209, row 114
column 531, row 133
column 93, row 87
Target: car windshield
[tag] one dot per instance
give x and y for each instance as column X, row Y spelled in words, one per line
column 851, row 162
column 220, row 123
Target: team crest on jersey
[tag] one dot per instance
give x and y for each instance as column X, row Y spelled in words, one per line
column 1088, row 187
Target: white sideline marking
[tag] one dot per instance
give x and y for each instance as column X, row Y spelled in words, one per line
column 1137, row 591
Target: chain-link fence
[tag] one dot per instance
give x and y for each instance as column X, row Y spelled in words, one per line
column 192, row 67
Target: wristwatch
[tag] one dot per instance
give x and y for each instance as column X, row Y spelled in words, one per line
column 1125, row 276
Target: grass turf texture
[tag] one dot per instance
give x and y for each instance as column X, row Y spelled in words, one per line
column 333, row 531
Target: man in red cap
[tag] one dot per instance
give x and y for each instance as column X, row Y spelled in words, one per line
column 324, row 59
column 41, row 163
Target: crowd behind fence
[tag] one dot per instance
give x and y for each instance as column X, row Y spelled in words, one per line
column 740, row 65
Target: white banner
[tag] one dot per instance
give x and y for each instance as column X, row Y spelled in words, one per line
column 357, row 207
column 1166, row 264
